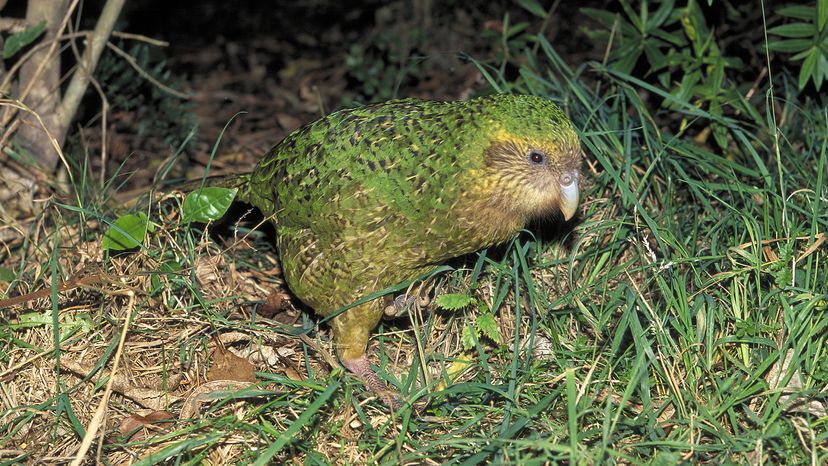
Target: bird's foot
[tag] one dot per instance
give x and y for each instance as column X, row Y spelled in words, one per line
column 361, row 367
column 403, row 303
column 398, row 307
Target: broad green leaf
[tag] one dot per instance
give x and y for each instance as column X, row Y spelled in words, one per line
column 127, row 232
column 720, row 135
column 32, row 319
column 454, row 301
column 660, row 15
column 821, row 70
column 468, row 337
column 697, row 17
column 798, row 12
column 80, row 323
column 609, row 21
column 604, row 17
column 790, row 45
column 803, row 54
column 808, row 68
column 822, row 14
column 793, row 30
column 487, row 325
column 717, row 74
column 672, row 38
column 533, row 7
column 626, row 59
column 22, row 39
column 207, row 204
column 634, row 17
column 685, row 88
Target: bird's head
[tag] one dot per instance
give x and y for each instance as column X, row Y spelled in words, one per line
column 531, row 164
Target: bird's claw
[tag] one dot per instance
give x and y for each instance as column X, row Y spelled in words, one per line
column 391, row 398
column 398, row 307
column 403, row 303
column 361, row 367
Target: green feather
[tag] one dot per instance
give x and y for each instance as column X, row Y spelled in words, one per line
column 371, row 196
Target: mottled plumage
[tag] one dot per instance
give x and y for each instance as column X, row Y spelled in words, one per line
column 368, row 197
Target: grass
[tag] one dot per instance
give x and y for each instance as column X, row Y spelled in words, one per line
column 682, row 319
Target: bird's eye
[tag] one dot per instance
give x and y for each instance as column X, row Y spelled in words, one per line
column 537, row 157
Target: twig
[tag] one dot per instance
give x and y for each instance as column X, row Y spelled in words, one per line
column 104, row 111
column 92, row 52
column 141, row 38
column 100, row 412
column 93, row 279
column 73, row 35
column 134, row 64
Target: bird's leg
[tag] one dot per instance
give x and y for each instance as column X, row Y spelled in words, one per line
column 351, row 333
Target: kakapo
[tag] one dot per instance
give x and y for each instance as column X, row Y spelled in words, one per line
column 368, row 197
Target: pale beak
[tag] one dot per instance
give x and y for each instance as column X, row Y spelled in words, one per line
column 569, row 194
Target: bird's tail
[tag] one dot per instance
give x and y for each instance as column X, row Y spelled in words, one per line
column 240, row 181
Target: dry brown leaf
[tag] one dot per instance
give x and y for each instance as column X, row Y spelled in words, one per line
column 206, row 268
column 152, row 421
column 228, row 366
column 293, row 374
column 279, row 308
column 266, row 355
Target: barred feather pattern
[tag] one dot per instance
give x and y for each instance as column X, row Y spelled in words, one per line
column 370, row 196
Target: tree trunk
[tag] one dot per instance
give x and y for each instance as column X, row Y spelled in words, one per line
column 42, row 73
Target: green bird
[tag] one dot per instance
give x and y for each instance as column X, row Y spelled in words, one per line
column 368, row 197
